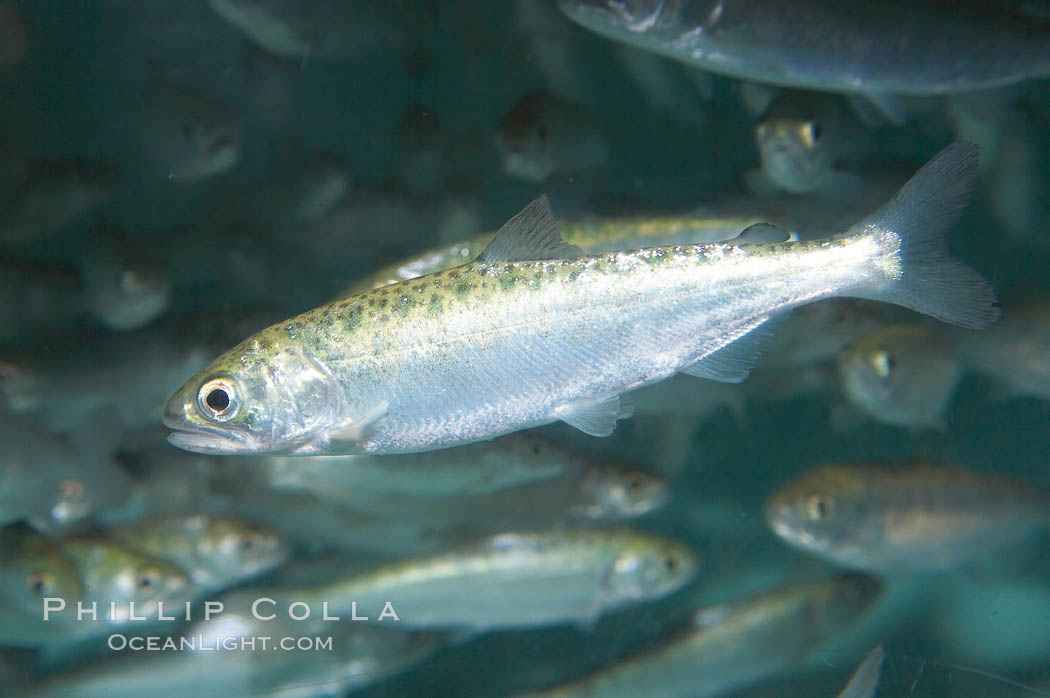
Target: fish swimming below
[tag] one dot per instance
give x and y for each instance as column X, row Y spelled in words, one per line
column 731, row 645
column 903, row 518
column 533, row 331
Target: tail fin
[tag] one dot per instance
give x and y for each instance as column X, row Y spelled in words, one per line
column 922, row 211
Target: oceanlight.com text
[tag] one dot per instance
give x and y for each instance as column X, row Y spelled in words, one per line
column 212, row 643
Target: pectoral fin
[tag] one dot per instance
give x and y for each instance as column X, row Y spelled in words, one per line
column 361, row 428
column 595, row 417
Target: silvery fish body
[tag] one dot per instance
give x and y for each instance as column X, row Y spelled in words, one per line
column 902, row 518
column 869, row 46
column 729, row 645
column 515, row 580
column 532, row 332
column 215, row 551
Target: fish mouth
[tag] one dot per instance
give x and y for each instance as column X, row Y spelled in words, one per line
column 209, row 443
column 796, row 158
column 204, row 438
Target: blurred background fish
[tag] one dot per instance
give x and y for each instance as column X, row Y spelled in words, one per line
column 911, row 517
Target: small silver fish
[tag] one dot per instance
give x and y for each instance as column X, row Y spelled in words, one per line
column 127, row 286
column 901, row 374
column 542, row 134
column 215, row 551
column 733, row 644
column 799, row 142
column 531, row 332
column 186, row 135
column 904, row 518
column 856, row 48
column 518, row 580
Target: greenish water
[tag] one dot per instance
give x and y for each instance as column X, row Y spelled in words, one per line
column 172, row 183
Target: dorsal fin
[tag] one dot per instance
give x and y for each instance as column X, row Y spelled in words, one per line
column 761, row 234
column 532, row 234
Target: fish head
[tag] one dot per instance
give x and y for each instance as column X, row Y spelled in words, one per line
column 118, row 574
column 869, row 370
column 39, row 574
column 900, row 374
column 240, row 549
column 650, row 568
column 189, row 135
column 824, row 512
column 541, row 134
column 525, row 137
column 210, row 147
column 795, row 152
column 148, row 581
column 80, row 495
column 128, row 293
column 620, row 493
column 262, row 396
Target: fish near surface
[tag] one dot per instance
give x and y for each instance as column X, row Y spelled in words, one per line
column 532, row 332
column 905, row 518
column 868, row 46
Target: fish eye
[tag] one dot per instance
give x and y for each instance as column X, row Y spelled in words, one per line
column 810, row 133
column 217, row 399
column 883, row 362
column 634, row 484
column 148, row 580
column 670, row 564
column 40, row 583
column 132, row 282
column 70, row 488
column 818, row 507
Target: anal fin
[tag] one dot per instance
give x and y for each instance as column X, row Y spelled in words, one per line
column 595, row 417
column 733, row 362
